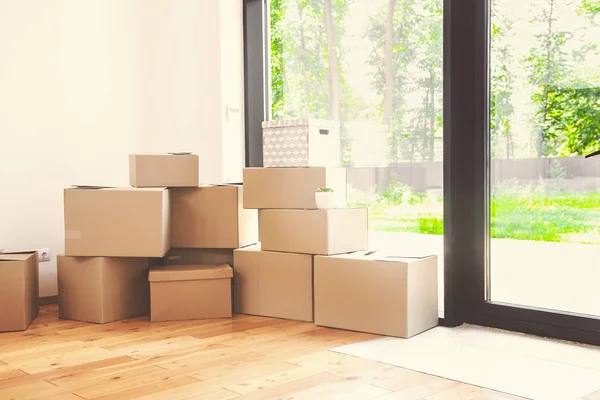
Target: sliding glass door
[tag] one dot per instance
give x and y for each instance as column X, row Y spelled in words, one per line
column 531, row 242
column 544, row 116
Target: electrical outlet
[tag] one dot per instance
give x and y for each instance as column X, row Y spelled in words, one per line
column 43, row 255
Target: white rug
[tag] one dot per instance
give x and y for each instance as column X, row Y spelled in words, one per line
column 521, row 365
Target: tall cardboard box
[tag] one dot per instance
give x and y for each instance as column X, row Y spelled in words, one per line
column 212, row 217
column 292, row 188
column 184, row 292
column 163, row 170
column 273, row 284
column 102, row 289
column 19, row 290
column 376, row 293
column 179, row 256
column 111, row 222
column 322, row 232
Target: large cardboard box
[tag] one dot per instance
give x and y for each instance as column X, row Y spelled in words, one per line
column 102, row 289
column 198, row 257
column 111, row 222
column 292, row 188
column 322, row 232
column 19, row 290
column 163, row 170
column 375, row 293
column 212, row 217
column 183, row 292
column 301, row 143
column 273, row 284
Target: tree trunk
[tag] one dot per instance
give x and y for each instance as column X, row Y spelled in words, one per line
column 334, row 73
column 303, row 61
column 432, row 118
column 549, row 65
column 390, row 70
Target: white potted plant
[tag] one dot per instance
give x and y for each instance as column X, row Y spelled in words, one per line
column 324, row 198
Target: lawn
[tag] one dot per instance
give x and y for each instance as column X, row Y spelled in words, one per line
column 525, row 214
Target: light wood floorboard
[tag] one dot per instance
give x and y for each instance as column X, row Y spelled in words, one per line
column 243, row 358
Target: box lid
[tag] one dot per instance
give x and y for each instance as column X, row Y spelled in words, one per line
column 375, row 255
column 283, row 123
column 171, row 273
column 16, row 256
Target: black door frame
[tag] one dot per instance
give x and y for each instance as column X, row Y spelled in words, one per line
column 467, row 186
column 466, row 168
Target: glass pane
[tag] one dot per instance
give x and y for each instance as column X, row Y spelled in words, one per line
column 375, row 65
column 545, row 115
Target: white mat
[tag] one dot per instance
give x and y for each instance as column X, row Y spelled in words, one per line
column 521, row 365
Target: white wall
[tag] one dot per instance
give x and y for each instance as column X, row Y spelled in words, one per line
column 83, row 83
column 193, row 73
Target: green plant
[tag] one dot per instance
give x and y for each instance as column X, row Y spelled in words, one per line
column 324, row 190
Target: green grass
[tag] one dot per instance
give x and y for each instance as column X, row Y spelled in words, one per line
column 523, row 214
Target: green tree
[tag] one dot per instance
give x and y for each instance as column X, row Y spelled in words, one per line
column 572, row 124
column 547, row 65
column 502, row 81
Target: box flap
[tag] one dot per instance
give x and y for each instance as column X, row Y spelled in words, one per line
column 90, row 187
column 16, row 256
column 402, row 258
column 170, row 273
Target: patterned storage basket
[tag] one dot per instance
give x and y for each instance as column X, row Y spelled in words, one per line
column 301, row 143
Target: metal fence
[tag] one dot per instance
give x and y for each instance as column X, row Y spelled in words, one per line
column 566, row 174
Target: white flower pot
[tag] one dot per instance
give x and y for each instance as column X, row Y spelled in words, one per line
column 324, row 200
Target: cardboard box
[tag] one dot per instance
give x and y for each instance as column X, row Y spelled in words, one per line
column 102, row 289
column 198, row 257
column 183, row 292
column 212, row 217
column 292, row 188
column 376, row 293
column 163, row 170
column 322, row 232
column 273, row 284
column 19, row 290
column 302, row 143
column 110, row 222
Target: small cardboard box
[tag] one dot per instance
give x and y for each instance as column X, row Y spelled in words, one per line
column 183, row 292
column 102, row 289
column 198, row 257
column 211, row 217
column 302, row 143
column 19, row 290
column 376, row 293
column 292, row 188
column 111, row 222
column 322, row 232
column 273, row 284
column 163, row 170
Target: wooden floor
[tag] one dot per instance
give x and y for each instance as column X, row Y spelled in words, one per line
column 246, row 358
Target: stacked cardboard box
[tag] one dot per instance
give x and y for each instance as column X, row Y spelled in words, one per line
column 208, row 223
column 275, row 279
column 114, row 235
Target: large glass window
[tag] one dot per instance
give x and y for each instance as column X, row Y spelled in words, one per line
column 376, row 66
column 545, row 115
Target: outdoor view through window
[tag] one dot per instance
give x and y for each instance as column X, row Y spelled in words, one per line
column 376, row 65
column 545, row 114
